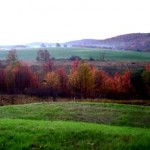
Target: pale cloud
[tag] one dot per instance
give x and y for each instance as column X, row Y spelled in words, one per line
column 23, row 21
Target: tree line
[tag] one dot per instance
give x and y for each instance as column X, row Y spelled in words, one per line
column 82, row 81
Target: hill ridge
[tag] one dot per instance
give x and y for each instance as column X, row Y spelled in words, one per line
column 131, row 41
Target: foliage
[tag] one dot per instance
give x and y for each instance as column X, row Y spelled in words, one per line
column 2, row 80
column 52, row 82
column 100, row 86
column 58, row 45
column 82, row 81
column 119, row 86
column 91, row 59
column 63, row 82
column 74, row 58
column 146, row 80
column 18, row 76
column 138, row 84
column 87, row 81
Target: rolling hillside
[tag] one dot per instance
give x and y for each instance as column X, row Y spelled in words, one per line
column 74, row 126
column 135, row 41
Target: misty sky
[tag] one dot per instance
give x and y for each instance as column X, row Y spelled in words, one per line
column 25, row 21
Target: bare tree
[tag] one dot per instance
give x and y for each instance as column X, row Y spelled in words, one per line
column 12, row 56
column 43, row 55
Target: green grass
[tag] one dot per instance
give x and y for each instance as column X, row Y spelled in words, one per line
column 27, row 134
column 105, row 113
column 74, row 125
column 84, row 53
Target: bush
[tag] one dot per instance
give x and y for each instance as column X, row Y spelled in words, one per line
column 91, row 59
column 74, row 58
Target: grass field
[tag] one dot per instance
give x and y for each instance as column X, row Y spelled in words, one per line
column 74, row 125
column 84, row 53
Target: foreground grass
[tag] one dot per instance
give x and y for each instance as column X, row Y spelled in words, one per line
column 30, row 134
column 74, row 125
column 105, row 113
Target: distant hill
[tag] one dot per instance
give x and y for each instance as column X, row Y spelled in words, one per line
column 9, row 47
column 134, row 41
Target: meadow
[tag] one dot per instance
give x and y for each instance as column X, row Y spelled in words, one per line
column 84, row 53
column 74, row 125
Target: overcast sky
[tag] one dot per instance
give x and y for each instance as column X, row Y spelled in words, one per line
column 24, row 21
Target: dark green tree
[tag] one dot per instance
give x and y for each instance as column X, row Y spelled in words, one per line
column 58, row 45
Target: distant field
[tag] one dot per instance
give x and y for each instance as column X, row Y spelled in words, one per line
column 84, row 53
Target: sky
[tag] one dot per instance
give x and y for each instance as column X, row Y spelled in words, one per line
column 26, row 21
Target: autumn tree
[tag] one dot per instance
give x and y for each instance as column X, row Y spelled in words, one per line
column 9, row 79
column 18, row 77
column 146, row 79
column 2, row 80
column 99, row 87
column 74, row 84
column 119, row 86
column 138, row 84
column 51, row 81
column 75, row 65
column 73, row 79
column 63, row 80
column 24, row 78
column 81, row 81
column 147, row 67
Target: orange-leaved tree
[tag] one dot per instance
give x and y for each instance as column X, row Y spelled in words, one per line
column 63, row 80
column 99, row 88
column 119, row 86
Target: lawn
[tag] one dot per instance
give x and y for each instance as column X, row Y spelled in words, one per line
column 28, row 134
column 102, row 113
column 74, row 125
column 84, row 53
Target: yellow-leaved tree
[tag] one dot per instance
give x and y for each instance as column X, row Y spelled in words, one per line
column 52, row 83
column 81, row 81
